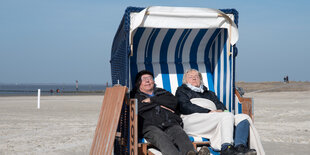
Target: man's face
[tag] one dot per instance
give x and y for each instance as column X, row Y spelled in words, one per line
column 147, row 83
column 193, row 78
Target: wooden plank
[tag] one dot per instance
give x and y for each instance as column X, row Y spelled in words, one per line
column 108, row 120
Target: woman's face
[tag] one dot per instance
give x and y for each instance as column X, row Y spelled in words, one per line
column 147, row 83
column 193, row 78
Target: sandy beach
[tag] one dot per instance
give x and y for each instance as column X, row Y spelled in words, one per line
column 66, row 124
column 62, row 125
column 283, row 121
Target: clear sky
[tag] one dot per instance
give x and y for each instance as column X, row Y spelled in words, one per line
column 60, row 41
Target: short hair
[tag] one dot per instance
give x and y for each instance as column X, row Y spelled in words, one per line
column 191, row 70
column 138, row 80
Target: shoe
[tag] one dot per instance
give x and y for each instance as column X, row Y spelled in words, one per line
column 191, row 153
column 242, row 150
column 230, row 150
column 204, row 151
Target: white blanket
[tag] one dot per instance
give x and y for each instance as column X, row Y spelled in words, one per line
column 205, row 125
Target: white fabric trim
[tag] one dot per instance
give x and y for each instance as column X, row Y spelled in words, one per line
column 182, row 17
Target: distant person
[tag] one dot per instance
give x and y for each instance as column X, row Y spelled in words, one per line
column 76, row 85
column 51, row 91
column 206, row 116
column 158, row 118
column 286, row 79
column 57, row 90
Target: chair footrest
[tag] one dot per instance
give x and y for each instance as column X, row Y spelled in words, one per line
column 192, row 138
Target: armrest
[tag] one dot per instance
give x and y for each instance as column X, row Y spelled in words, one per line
column 133, row 123
column 247, row 105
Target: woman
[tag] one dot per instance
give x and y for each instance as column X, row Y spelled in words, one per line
column 204, row 115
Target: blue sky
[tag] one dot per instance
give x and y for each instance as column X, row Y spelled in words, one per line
column 60, row 41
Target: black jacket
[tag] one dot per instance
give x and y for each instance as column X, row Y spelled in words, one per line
column 152, row 114
column 185, row 94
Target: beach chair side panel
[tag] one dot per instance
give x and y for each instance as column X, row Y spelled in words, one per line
column 108, row 120
column 244, row 103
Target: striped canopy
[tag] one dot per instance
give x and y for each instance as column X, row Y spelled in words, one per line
column 170, row 40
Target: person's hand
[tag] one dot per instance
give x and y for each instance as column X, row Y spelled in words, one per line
column 216, row 111
column 147, row 100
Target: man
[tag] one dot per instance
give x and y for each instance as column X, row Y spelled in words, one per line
column 158, row 118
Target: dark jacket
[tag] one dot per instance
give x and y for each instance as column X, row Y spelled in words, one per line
column 185, row 94
column 152, row 114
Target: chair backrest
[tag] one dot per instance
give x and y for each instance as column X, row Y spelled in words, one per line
column 169, row 53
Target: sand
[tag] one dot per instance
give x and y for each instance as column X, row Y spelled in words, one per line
column 66, row 124
column 62, row 125
column 283, row 121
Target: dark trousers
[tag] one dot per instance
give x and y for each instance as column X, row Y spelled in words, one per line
column 170, row 141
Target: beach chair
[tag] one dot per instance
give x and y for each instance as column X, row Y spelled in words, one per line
column 167, row 41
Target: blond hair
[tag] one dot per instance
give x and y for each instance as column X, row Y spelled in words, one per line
column 191, row 70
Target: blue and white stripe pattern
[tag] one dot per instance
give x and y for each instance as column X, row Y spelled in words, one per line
column 198, row 139
column 168, row 53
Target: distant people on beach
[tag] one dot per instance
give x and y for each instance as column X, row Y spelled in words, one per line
column 286, row 79
column 76, row 85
